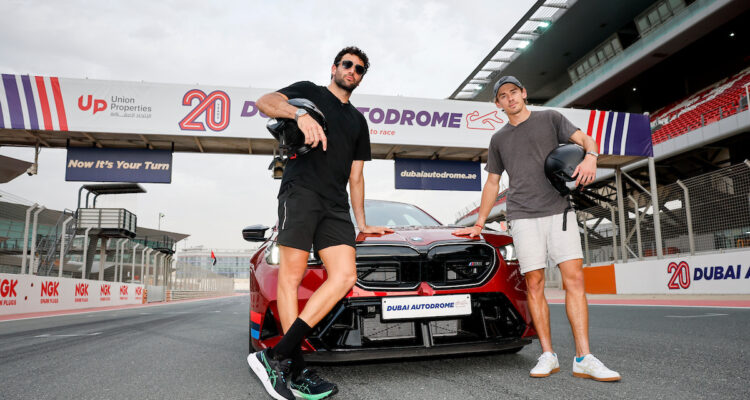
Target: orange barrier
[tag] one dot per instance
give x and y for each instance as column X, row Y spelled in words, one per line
column 600, row 280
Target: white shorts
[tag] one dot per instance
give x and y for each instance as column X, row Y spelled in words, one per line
column 539, row 239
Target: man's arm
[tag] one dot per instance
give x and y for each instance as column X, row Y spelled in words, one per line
column 489, row 195
column 357, row 192
column 585, row 172
column 275, row 105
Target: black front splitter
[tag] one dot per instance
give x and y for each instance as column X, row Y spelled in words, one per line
column 346, row 355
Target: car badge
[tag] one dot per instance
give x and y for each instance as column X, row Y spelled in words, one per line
column 417, row 239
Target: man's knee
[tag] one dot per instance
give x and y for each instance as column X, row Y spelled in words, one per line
column 575, row 285
column 535, row 281
column 345, row 280
column 341, row 266
column 290, row 277
column 290, row 281
column 573, row 278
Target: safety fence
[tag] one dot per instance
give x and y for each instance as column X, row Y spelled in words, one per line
column 706, row 213
column 192, row 281
column 175, row 295
column 37, row 241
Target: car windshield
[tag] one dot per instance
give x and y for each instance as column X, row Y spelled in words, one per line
column 383, row 213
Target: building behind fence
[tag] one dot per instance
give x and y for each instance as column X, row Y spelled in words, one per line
column 232, row 263
column 39, row 241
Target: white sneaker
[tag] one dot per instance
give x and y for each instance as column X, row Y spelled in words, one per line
column 590, row 367
column 546, row 365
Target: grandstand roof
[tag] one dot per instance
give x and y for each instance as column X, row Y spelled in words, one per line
column 10, row 168
column 114, row 188
column 143, row 233
column 542, row 65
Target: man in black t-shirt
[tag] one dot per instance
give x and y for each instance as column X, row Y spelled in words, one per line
column 314, row 212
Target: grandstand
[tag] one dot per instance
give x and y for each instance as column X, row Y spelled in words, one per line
column 685, row 63
column 722, row 99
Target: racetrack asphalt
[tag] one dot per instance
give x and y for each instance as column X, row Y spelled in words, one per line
column 197, row 350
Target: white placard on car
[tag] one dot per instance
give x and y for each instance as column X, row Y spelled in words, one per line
column 408, row 307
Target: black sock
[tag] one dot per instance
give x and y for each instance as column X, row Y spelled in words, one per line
column 291, row 340
column 298, row 362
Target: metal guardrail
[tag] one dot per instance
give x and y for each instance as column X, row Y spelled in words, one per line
column 706, row 213
column 174, row 295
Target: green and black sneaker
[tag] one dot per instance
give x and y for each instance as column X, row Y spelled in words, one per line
column 272, row 373
column 308, row 385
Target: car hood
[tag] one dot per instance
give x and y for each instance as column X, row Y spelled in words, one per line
column 415, row 236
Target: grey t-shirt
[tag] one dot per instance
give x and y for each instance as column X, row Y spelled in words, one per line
column 521, row 150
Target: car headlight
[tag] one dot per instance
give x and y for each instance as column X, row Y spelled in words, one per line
column 272, row 254
column 508, row 252
column 274, row 258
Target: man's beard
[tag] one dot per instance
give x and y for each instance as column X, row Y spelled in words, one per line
column 341, row 82
column 513, row 112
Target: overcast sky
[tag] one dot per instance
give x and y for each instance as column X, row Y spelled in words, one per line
column 416, row 48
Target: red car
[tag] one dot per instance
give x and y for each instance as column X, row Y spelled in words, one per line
column 421, row 292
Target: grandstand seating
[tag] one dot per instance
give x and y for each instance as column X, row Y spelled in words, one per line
column 720, row 100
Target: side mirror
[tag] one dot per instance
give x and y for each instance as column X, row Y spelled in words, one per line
column 255, row 233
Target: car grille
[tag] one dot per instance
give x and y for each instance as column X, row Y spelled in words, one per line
column 374, row 329
column 443, row 266
column 358, row 324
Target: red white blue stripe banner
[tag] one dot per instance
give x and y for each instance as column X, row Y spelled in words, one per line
column 32, row 102
column 618, row 133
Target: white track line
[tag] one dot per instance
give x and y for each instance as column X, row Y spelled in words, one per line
column 696, row 316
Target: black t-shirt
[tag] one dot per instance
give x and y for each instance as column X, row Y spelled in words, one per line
column 327, row 172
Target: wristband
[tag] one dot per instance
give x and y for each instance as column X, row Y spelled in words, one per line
column 481, row 226
column 593, row 153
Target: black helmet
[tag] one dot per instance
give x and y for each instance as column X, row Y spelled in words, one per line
column 288, row 134
column 560, row 165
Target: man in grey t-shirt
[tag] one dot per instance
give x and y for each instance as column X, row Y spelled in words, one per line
column 535, row 215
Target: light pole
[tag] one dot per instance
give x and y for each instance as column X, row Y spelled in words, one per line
column 161, row 215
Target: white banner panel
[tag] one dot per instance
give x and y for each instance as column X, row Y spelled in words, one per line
column 721, row 273
column 88, row 105
column 408, row 307
column 20, row 294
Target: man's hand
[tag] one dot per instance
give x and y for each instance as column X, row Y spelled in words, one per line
column 376, row 229
column 585, row 172
column 313, row 131
column 472, row 231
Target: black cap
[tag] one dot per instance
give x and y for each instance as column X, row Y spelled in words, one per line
column 502, row 81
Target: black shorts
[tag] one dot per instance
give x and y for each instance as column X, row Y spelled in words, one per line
column 306, row 219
